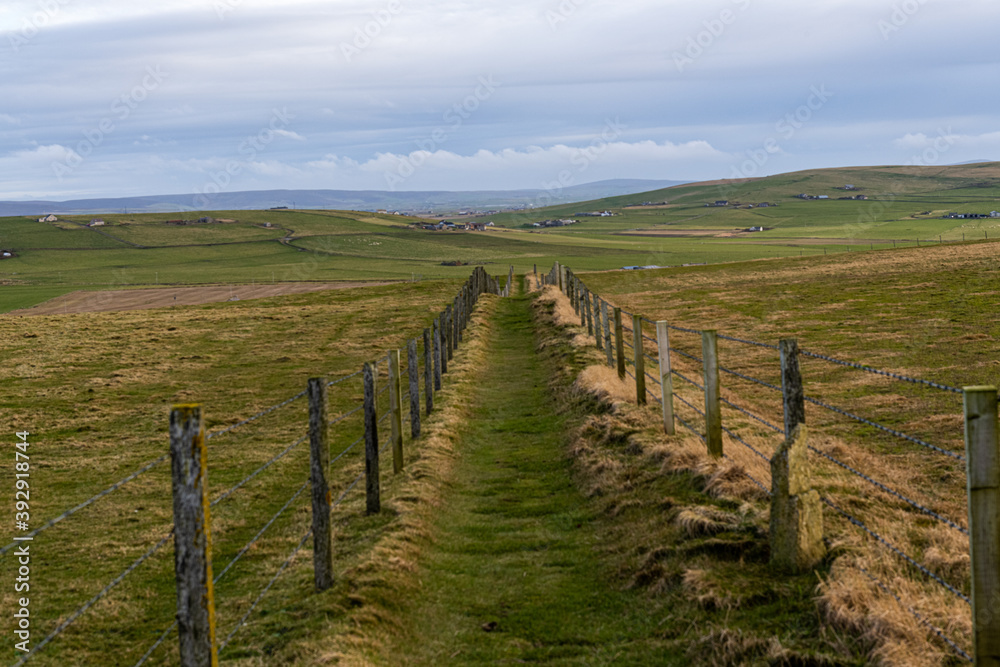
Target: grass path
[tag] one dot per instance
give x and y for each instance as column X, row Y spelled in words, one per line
column 513, row 575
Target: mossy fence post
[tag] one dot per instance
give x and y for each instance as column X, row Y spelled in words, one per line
column 796, row 525
column 619, row 343
column 640, row 360
column 428, row 371
column 319, row 463
column 395, row 412
column 437, row 354
column 192, row 538
column 373, row 503
column 589, row 312
column 983, row 474
column 666, row 378
column 607, row 333
column 413, row 375
column 598, row 333
column 713, row 407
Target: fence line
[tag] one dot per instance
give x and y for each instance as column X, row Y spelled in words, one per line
column 572, row 286
column 456, row 318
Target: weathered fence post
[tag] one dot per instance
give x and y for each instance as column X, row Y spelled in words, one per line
column 607, row 333
column 437, row 354
column 713, row 408
column 319, row 462
column 395, row 412
column 413, row 371
column 619, row 343
column 796, row 511
column 588, row 311
column 456, row 316
column 666, row 378
column 449, row 330
column 443, row 332
column 792, row 393
column 983, row 474
column 640, row 360
column 192, row 538
column 373, row 503
column 598, row 333
column 428, row 371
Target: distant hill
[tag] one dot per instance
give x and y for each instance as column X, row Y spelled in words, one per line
column 414, row 201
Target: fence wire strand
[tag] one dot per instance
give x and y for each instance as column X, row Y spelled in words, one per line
column 748, row 342
column 891, row 431
column 685, row 354
column 889, row 374
column 751, row 379
column 687, row 379
column 259, row 470
column 766, row 423
column 262, row 413
column 957, row 593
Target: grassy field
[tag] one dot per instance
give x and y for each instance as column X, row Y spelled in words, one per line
column 920, row 312
column 94, row 391
column 905, row 206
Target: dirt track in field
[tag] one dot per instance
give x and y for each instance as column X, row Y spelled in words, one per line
column 83, row 301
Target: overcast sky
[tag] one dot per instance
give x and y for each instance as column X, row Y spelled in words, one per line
column 116, row 98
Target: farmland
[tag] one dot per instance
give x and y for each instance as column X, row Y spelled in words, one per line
column 904, row 206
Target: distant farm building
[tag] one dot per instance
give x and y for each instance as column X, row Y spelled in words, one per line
column 48, row 218
column 96, row 222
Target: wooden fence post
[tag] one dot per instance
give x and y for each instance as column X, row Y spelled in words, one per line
column 443, row 332
column 319, row 462
column 449, row 330
column 428, row 371
column 588, row 312
column 640, row 360
column 983, row 474
column 456, row 316
column 666, row 377
column 396, row 412
column 192, row 538
column 713, row 408
column 413, row 371
column 373, row 503
column 598, row 333
column 607, row 333
column 793, row 395
column 437, row 354
column 619, row 343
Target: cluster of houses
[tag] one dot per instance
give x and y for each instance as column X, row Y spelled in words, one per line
column 736, row 204
column 973, row 216
column 554, row 223
column 204, row 219
column 846, row 187
column 446, row 226
column 599, row 214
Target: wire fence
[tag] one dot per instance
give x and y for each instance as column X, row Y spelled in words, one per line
column 341, row 429
column 868, row 491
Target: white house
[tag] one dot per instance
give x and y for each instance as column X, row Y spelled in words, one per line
column 96, row 222
column 48, row 218
column 994, row 214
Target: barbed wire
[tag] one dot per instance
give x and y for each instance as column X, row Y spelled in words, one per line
column 746, row 444
column 898, row 434
column 344, row 416
column 262, row 413
column 156, row 644
column 955, row 647
column 689, row 427
column 957, row 593
column 346, row 377
column 682, row 400
column 256, row 472
column 752, row 415
column 751, row 379
column 748, row 342
column 92, row 601
column 349, row 448
column 685, row 354
column 889, row 374
column 692, row 331
column 749, row 476
column 114, row 487
column 892, row 492
column 687, row 379
column 256, row 537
